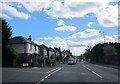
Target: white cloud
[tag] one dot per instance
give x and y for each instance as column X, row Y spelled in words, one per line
column 30, row 5
column 75, row 8
column 51, row 38
column 9, row 10
column 47, row 38
column 108, row 17
column 90, row 24
column 58, row 38
column 60, row 22
column 78, row 50
column 63, row 9
column 85, row 34
column 36, row 5
column 79, row 47
column 5, row 16
column 116, row 0
column 66, row 28
column 38, row 42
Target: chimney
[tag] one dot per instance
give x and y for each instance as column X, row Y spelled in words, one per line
column 59, row 48
column 30, row 38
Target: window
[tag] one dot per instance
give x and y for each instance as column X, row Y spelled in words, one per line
column 30, row 46
column 35, row 48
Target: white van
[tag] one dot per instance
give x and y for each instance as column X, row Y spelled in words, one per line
column 72, row 61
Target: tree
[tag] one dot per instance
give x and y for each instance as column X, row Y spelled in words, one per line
column 109, row 50
column 110, row 53
column 6, row 33
column 8, row 53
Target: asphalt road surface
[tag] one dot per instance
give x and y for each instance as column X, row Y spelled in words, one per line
column 80, row 72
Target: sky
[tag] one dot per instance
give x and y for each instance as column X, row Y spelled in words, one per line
column 69, row 24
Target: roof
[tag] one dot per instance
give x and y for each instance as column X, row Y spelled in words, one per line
column 43, row 46
column 51, row 49
column 20, row 40
column 57, row 49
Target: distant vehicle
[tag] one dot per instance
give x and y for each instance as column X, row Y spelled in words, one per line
column 72, row 61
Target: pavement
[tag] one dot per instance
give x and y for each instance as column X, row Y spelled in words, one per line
column 82, row 72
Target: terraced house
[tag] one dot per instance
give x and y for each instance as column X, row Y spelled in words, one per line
column 51, row 52
column 32, row 54
column 43, row 50
column 58, row 54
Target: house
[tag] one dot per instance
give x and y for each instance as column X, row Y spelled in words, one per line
column 63, row 54
column 51, row 52
column 67, row 53
column 58, row 54
column 27, row 50
column 43, row 50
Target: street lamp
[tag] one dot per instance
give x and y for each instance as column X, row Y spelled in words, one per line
column 103, row 34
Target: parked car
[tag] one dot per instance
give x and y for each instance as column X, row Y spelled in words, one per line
column 72, row 61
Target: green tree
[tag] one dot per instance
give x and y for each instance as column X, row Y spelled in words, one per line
column 8, row 53
column 104, row 53
column 110, row 53
column 109, row 50
column 6, row 33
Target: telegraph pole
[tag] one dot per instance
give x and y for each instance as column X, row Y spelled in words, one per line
column 103, row 34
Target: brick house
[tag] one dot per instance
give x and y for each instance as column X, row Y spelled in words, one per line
column 27, row 50
column 43, row 50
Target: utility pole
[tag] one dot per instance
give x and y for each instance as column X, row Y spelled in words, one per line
column 103, row 34
column 119, row 34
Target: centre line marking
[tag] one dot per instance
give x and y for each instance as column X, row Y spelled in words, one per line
column 42, row 79
column 52, row 70
column 88, row 68
column 56, row 69
column 97, row 74
column 46, row 77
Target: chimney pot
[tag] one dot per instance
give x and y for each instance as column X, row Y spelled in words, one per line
column 30, row 38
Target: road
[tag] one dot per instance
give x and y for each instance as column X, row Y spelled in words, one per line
column 80, row 72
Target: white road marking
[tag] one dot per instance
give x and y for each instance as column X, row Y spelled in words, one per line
column 52, row 70
column 49, row 75
column 56, row 70
column 42, row 79
column 88, row 68
column 46, row 76
column 93, row 72
column 39, row 82
column 83, row 65
column 97, row 74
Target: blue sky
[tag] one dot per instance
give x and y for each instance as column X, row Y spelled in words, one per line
column 70, row 24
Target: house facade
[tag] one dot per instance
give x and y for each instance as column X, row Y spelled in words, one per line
column 58, row 54
column 27, row 50
column 67, row 53
column 51, row 53
column 43, row 50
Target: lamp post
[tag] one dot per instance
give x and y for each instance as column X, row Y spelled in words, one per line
column 103, row 34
